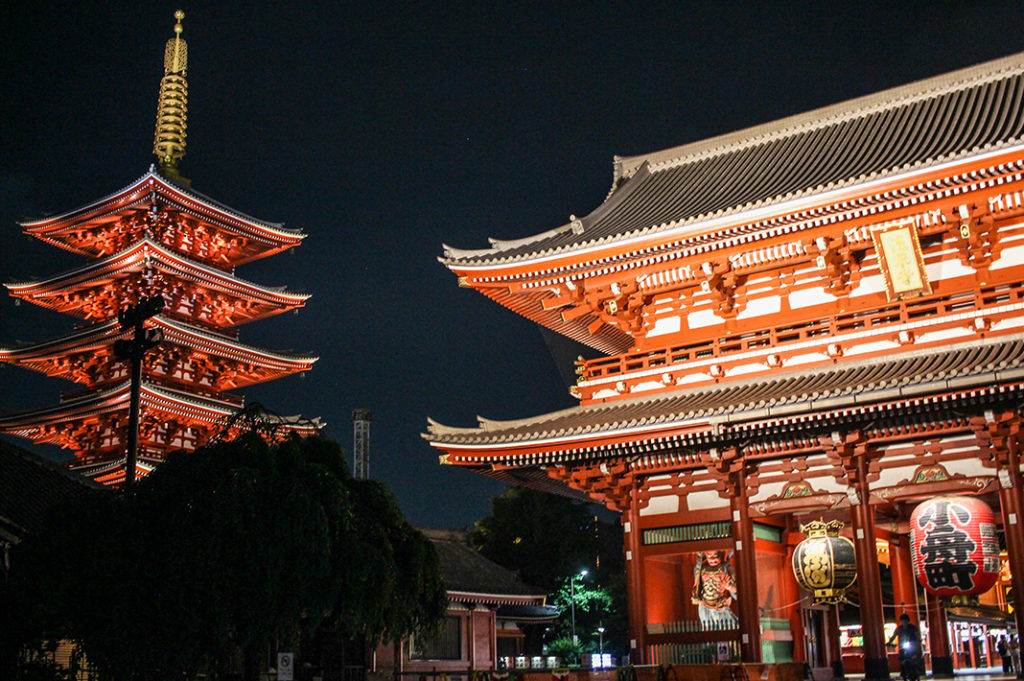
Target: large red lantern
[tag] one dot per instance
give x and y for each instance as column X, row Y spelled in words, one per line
column 956, row 552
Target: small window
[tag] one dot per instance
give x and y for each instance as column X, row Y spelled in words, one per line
column 447, row 645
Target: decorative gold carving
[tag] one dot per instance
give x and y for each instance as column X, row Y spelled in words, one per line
column 797, row 489
column 930, row 474
column 900, row 259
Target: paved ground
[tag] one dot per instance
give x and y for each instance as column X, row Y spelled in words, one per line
column 979, row 674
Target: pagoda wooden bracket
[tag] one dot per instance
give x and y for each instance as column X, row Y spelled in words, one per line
column 722, row 284
column 608, row 483
column 855, row 462
column 975, row 238
column 996, row 433
column 734, row 476
column 839, row 263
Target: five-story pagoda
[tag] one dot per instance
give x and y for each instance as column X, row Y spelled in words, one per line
column 155, row 237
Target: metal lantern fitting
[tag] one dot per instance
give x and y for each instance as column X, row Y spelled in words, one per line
column 956, row 552
column 824, row 562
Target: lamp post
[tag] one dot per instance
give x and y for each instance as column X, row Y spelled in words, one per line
column 600, row 640
column 572, row 602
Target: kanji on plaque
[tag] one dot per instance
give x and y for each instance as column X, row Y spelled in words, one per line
column 956, row 552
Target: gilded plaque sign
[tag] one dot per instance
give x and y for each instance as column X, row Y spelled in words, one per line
column 900, row 259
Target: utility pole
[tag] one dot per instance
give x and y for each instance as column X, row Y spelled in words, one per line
column 134, row 318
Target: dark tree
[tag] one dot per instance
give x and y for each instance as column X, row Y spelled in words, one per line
column 547, row 539
column 230, row 547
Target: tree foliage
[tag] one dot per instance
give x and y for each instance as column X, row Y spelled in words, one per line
column 231, row 546
column 542, row 536
column 547, row 539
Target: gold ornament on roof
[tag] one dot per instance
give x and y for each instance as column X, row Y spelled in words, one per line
column 172, row 106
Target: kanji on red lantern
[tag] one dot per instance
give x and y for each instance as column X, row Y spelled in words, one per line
column 956, row 552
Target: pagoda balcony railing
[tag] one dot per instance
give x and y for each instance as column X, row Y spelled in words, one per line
column 978, row 309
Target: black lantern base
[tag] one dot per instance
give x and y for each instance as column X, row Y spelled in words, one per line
column 942, row 667
column 876, row 669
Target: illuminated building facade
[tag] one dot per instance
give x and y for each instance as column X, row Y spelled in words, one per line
column 818, row 317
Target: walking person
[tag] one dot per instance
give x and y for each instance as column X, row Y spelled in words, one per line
column 909, row 642
column 1004, row 652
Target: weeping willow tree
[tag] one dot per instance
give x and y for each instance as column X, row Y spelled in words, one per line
column 227, row 548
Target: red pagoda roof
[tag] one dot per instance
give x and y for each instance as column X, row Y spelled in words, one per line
column 69, row 230
column 85, row 291
column 709, row 185
column 57, row 357
column 54, row 424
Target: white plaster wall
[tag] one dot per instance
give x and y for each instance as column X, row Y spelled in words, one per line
column 761, row 306
column 665, row 325
column 697, row 501
column 702, row 318
column 809, row 296
column 1009, row 257
column 659, row 505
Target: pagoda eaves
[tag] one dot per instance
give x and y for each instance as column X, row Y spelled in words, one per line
column 97, row 290
column 804, row 161
column 86, row 357
column 242, row 238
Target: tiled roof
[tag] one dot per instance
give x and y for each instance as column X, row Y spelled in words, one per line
column 528, row 613
column 466, row 571
column 949, row 117
column 994, row 363
column 104, row 332
column 140, row 253
column 30, row 485
column 140, row 187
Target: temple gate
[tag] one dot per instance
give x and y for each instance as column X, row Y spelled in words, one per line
column 821, row 317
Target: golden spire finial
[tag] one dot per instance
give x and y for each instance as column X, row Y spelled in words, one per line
column 169, row 142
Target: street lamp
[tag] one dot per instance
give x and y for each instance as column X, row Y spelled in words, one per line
column 572, row 602
column 600, row 644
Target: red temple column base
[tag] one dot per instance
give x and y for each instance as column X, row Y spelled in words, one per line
column 942, row 667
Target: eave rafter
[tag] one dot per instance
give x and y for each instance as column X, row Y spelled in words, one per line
column 192, row 290
column 612, row 293
column 172, row 215
column 86, row 357
column 93, row 424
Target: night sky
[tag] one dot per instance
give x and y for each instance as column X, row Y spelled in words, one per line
column 385, row 130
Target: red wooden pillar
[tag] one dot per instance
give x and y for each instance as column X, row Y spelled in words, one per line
column 790, row 593
column 938, row 639
column 746, row 572
column 904, row 591
column 869, row 581
column 1011, row 506
column 634, row 582
column 832, row 646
